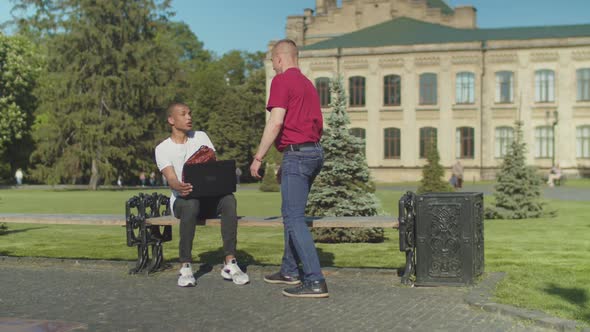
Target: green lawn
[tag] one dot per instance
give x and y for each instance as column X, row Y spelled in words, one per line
column 546, row 259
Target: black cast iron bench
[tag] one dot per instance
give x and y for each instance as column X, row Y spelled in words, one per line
column 149, row 224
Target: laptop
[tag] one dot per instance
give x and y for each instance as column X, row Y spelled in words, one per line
column 211, row 179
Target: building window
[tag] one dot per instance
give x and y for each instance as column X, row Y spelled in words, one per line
column 583, row 84
column 391, row 143
column 504, row 87
column 504, row 138
column 356, row 91
column 427, row 140
column 465, row 88
column 544, row 142
column 360, row 133
column 392, row 85
column 322, row 84
column 544, row 86
column 465, row 143
column 583, row 142
column 428, row 89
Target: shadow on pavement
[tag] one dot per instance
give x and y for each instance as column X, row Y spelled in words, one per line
column 215, row 257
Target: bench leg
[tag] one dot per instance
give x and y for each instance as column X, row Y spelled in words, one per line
column 409, row 269
column 157, row 257
column 142, row 259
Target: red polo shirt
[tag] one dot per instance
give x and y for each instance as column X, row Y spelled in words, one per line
column 303, row 121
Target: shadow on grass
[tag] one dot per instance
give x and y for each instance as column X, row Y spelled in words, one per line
column 575, row 296
column 326, row 257
column 14, row 231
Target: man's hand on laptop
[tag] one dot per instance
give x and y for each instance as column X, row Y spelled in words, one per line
column 182, row 188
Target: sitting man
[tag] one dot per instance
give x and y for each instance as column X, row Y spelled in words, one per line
column 171, row 155
column 554, row 174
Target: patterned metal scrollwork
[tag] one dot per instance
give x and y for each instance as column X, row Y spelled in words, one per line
column 407, row 234
column 138, row 210
column 445, row 240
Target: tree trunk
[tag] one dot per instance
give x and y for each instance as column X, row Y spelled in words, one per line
column 95, row 176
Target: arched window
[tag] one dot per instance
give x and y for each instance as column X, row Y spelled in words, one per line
column 583, row 141
column 360, row 133
column 428, row 89
column 504, row 87
column 465, row 88
column 356, row 88
column 583, row 84
column 544, row 86
column 465, row 142
column 544, row 142
column 391, row 143
column 392, row 89
column 427, row 140
column 322, row 84
column 504, row 138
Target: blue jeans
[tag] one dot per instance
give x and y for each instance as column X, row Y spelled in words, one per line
column 298, row 170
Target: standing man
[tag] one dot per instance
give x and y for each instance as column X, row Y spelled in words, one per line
column 457, row 171
column 171, row 155
column 19, row 176
column 295, row 125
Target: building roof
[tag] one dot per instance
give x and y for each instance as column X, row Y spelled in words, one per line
column 445, row 9
column 407, row 31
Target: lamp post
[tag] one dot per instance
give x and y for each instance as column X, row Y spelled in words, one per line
column 553, row 124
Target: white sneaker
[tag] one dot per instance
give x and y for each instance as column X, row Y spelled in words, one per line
column 231, row 271
column 186, row 277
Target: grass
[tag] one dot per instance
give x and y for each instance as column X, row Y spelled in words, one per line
column 546, row 260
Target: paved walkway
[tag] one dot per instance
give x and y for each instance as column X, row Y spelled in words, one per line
column 103, row 297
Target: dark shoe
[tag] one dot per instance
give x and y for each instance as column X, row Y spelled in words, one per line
column 278, row 278
column 308, row 289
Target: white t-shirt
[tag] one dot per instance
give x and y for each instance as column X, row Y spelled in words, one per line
column 172, row 154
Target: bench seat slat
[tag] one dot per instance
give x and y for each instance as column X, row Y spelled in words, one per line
column 316, row 222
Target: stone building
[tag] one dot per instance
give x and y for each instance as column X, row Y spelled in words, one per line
column 419, row 71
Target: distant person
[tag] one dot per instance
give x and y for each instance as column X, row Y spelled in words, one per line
column 554, row 174
column 171, row 155
column 19, row 176
column 142, row 178
column 153, row 179
column 164, row 181
column 457, row 171
column 120, row 181
column 238, row 175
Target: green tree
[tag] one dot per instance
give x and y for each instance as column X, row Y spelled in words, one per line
column 433, row 173
column 21, row 65
column 101, row 98
column 269, row 180
column 518, row 188
column 236, row 123
column 344, row 186
column 272, row 163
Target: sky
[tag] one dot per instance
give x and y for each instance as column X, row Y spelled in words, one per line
column 249, row 25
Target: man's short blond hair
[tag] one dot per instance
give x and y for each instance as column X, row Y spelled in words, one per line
column 286, row 46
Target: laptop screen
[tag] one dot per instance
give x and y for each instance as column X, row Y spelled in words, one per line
column 215, row 178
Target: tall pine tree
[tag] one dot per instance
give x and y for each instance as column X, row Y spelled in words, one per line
column 344, row 186
column 100, row 102
column 518, row 188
